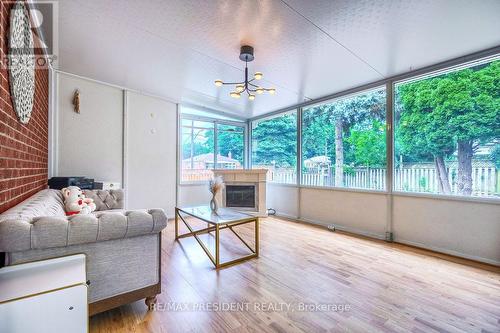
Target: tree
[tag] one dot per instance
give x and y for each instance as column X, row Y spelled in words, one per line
column 275, row 141
column 338, row 117
column 231, row 144
column 317, row 134
column 230, row 141
column 368, row 143
column 421, row 130
column 452, row 112
column 196, row 142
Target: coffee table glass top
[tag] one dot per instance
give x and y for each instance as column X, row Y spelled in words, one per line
column 223, row 215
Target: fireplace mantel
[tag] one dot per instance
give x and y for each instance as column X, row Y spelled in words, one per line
column 256, row 177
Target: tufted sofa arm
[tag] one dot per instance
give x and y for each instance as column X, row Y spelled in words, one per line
column 55, row 231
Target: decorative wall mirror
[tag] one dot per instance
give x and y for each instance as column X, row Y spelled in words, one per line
column 22, row 62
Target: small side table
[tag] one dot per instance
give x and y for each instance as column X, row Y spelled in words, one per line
column 44, row 296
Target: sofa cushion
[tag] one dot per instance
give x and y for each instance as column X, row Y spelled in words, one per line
column 104, row 200
column 44, row 203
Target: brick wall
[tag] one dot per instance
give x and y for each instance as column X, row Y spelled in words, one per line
column 23, row 148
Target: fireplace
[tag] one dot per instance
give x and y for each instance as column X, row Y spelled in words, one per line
column 244, row 190
column 241, row 196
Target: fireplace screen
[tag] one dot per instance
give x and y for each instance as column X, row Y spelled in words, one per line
column 240, row 196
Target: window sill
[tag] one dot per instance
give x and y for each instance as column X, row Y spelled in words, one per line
column 331, row 188
column 494, row 201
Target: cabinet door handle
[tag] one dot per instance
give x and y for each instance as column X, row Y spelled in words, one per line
column 88, row 282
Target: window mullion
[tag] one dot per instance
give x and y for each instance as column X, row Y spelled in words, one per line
column 389, row 118
column 192, row 145
column 299, row 146
column 216, row 148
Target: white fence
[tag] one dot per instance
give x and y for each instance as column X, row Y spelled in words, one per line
column 194, row 175
column 484, row 180
column 422, row 179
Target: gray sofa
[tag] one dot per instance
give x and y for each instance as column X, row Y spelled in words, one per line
column 122, row 247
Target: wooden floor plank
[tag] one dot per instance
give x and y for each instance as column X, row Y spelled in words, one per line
column 387, row 287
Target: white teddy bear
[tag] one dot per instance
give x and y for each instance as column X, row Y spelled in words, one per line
column 75, row 201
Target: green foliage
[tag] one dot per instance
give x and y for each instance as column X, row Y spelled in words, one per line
column 203, row 142
column 275, row 141
column 358, row 115
column 436, row 113
column 318, row 134
column 368, row 144
column 231, row 143
column 349, row 170
column 432, row 116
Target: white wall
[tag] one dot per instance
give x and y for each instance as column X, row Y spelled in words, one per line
column 93, row 142
column 363, row 213
column 150, row 154
column 283, row 199
column 465, row 228
column 89, row 143
column 193, row 195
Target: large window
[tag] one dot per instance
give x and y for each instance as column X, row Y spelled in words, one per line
column 274, row 147
column 200, row 139
column 344, row 142
column 447, row 133
column 445, row 126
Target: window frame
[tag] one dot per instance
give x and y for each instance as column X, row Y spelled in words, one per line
column 420, row 77
column 336, row 99
column 390, row 84
column 215, row 122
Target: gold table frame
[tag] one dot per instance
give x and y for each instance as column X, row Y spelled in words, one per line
column 217, row 227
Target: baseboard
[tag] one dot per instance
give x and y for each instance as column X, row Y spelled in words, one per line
column 448, row 252
column 345, row 228
column 286, row 216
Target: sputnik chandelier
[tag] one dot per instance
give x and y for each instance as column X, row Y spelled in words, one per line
column 246, row 55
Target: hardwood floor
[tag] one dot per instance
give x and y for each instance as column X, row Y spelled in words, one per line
column 382, row 287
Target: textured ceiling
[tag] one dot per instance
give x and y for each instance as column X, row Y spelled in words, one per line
column 305, row 48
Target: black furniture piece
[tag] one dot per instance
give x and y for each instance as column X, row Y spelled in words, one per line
column 59, row 183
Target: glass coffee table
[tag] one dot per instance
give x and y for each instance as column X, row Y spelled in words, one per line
column 225, row 218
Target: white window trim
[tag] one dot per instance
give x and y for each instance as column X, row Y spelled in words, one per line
column 215, row 121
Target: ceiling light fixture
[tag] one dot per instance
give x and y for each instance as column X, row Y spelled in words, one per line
column 246, row 55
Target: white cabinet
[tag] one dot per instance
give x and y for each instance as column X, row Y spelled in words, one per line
column 44, row 296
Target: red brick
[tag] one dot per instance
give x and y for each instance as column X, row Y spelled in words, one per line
column 23, row 148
